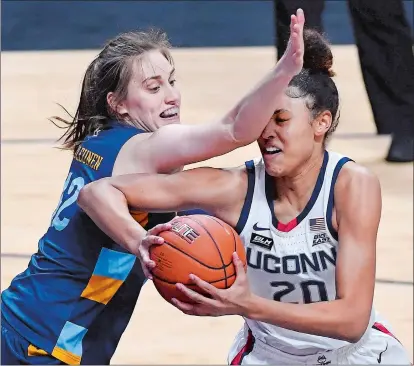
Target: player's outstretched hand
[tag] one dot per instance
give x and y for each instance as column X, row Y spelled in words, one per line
column 151, row 238
column 235, row 300
column 292, row 59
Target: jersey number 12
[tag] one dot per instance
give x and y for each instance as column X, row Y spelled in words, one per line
column 71, row 188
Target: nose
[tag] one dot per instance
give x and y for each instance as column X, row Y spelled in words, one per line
column 172, row 95
column 270, row 131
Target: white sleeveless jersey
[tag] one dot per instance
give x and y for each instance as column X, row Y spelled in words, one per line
column 292, row 262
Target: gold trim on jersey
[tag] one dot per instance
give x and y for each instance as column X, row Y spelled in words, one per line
column 101, row 289
column 34, row 351
column 66, row 356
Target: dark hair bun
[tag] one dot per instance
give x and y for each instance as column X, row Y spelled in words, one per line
column 318, row 56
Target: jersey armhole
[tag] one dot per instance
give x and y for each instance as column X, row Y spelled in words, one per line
column 331, row 198
column 127, row 138
column 250, row 168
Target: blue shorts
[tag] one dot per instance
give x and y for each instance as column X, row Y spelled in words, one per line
column 15, row 350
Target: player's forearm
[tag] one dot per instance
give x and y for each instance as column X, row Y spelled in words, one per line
column 334, row 319
column 253, row 112
column 179, row 146
column 108, row 208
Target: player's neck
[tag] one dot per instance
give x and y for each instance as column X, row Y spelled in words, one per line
column 298, row 188
column 137, row 124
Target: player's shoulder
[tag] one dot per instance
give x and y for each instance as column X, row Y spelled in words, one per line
column 356, row 186
column 138, row 142
column 113, row 138
column 133, row 156
column 355, row 177
column 353, row 171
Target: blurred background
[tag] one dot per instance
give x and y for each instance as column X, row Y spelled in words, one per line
column 222, row 48
column 56, row 25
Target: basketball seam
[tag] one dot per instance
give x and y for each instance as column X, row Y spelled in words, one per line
column 234, row 240
column 192, row 284
column 214, row 241
column 232, row 233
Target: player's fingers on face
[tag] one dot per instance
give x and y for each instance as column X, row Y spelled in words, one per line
column 298, row 47
column 300, row 16
column 299, row 42
column 296, row 31
column 292, row 22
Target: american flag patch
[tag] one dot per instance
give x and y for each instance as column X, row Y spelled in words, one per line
column 317, row 224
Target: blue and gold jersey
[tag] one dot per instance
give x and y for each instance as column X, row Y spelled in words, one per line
column 78, row 293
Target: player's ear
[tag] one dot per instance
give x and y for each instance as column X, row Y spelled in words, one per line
column 118, row 107
column 322, row 123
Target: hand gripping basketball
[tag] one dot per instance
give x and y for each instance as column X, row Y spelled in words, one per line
column 196, row 244
column 235, row 300
column 150, row 238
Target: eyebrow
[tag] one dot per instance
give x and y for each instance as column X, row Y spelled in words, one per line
column 279, row 111
column 157, row 77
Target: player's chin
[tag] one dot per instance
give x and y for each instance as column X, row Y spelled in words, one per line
column 276, row 172
column 274, row 167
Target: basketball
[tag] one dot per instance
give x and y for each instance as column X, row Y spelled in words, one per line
column 198, row 244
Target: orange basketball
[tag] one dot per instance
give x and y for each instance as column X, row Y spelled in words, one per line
column 198, row 244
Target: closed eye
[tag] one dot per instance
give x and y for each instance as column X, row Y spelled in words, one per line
column 280, row 120
column 154, row 89
column 281, row 116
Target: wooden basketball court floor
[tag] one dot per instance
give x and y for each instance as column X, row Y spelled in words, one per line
column 211, row 80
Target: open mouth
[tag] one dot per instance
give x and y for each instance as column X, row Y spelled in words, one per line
column 170, row 113
column 271, row 150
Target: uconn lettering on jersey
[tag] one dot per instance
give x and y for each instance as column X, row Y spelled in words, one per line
column 291, row 264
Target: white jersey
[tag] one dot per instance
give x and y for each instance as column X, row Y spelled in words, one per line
column 291, row 262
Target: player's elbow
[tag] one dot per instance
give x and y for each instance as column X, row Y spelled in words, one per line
column 353, row 333
column 85, row 195
column 90, row 194
column 353, row 326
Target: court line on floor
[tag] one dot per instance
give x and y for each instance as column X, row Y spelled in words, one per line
column 340, row 136
column 28, row 141
column 378, row 280
column 394, row 282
